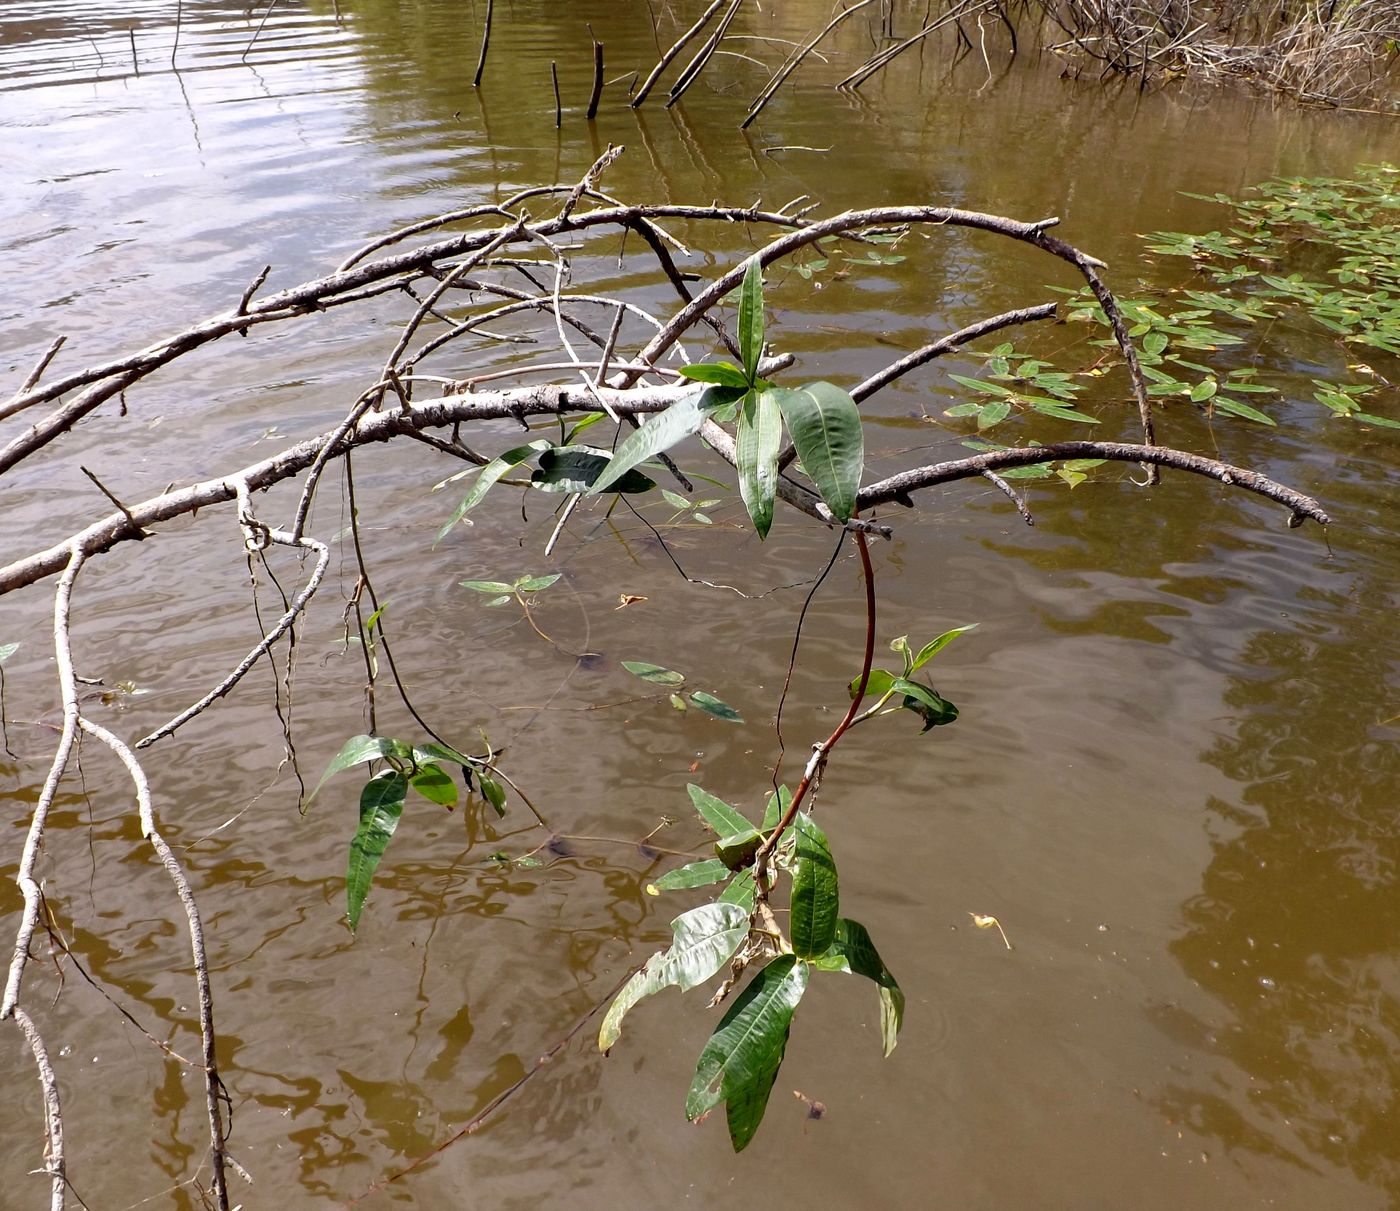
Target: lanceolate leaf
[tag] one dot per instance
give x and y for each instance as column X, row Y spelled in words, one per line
column 751, row 318
column 653, row 673
column 740, row 891
column 757, row 444
column 742, row 1057
column 705, row 940
column 777, row 805
column 577, row 468
column 744, row 1109
column 725, row 820
column 7, row 650
column 713, row 706
column 815, row 903
column 693, row 874
column 826, row 430
column 853, row 944
column 486, row 478
column 722, row 374
column 381, row 805
column 435, row 785
column 359, row 749
column 924, row 702
column 664, row 430
column 933, row 647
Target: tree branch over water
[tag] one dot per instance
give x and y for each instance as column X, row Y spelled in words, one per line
column 469, row 279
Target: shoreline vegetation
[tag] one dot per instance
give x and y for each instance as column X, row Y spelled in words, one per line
column 1334, row 53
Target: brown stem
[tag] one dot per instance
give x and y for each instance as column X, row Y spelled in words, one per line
column 814, row 767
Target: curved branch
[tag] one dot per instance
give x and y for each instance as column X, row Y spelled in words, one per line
column 898, row 487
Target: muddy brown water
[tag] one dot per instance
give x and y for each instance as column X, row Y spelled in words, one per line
column 1173, row 782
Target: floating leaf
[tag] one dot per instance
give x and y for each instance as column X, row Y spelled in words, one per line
column 713, row 706
column 815, row 901
column 705, row 939
column 653, row 673
column 825, row 426
column 381, row 805
column 740, row 1062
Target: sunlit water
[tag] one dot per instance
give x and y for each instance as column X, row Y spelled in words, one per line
column 1173, row 782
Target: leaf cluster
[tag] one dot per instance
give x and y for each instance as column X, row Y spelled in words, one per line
column 422, row 768
column 740, row 1062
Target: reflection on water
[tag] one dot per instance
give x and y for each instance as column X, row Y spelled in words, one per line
column 1174, row 778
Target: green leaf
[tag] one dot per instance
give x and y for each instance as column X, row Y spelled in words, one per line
column 488, row 586
column 486, row 478
column 7, row 650
column 493, row 792
column 721, row 374
column 776, row 808
column 693, row 874
column 359, row 749
column 381, row 805
column 678, row 702
column 877, row 685
column 435, row 785
column 535, row 584
column 577, row 468
column 1204, row 390
column 741, row 891
column 933, row 647
column 825, row 426
column 662, row 432
column 653, row 673
column 1235, row 407
column 1154, row 343
column 705, row 939
column 723, row 819
column 737, row 850
column 741, row 1060
column 751, row 317
column 925, row 703
column 433, row 753
column 814, row 892
column 992, row 414
column 757, row 444
column 713, row 706
column 853, row 944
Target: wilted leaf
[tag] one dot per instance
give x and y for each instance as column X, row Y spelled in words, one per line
column 705, row 939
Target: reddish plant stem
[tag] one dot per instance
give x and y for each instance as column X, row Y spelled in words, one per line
column 814, row 767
